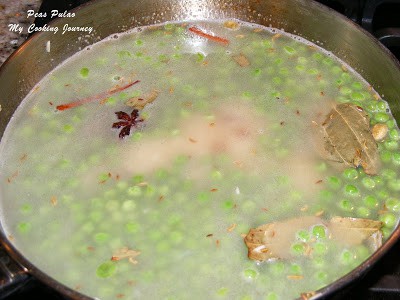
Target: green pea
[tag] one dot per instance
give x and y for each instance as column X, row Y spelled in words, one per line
column 101, row 237
column 394, row 184
column 319, row 261
column 84, row 72
column 371, row 106
column 368, row 183
column 325, row 195
column 388, row 174
column 26, row 208
column 363, row 212
column 24, row 227
column 382, row 194
column 320, row 248
column 96, row 216
column 103, row 177
column 362, row 251
column 222, row 291
column 327, row 61
column 302, row 60
column 200, row 57
column 313, row 71
column 381, row 107
column 106, row 269
column 295, row 269
column 350, row 173
column 357, row 96
column 386, row 232
column 271, row 296
column 321, row 276
column 386, row 156
column 300, row 68
column 371, row 201
column 150, row 191
column 381, row 117
column 391, row 144
column 247, row 95
column 346, row 205
column 391, row 124
column 394, row 134
column 346, row 257
column 162, row 174
column 173, row 219
column 336, row 69
column 303, row 235
column 357, row 85
column 122, row 185
column 134, row 191
column 298, row 248
column 388, row 219
column 345, row 90
column 334, row 182
column 68, row 128
column 128, row 205
column 351, row 190
column 277, row 267
column 123, row 54
column 136, row 136
column 289, row 50
column 216, row 174
column 228, row 204
column 393, row 204
column 203, row 196
column 317, row 56
column 132, row 227
column 176, row 237
column 248, row 206
column 250, row 273
column 275, row 80
column 396, row 158
column 319, row 231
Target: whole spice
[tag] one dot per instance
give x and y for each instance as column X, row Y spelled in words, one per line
column 100, row 96
column 210, row 37
column 128, row 121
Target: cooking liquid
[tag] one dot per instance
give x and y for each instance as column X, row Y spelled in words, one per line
column 227, row 145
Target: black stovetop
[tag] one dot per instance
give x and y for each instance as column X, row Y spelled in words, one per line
column 382, row 19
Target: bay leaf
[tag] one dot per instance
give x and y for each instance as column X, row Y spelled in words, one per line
column 141, row 102
column 354, row 231
column 274, row 240
column 348, row 139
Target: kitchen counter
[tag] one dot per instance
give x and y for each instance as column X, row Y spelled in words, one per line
column 14, row 14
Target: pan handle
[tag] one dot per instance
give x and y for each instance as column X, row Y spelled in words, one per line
column 12, row 274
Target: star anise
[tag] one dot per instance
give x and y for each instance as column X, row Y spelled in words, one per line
column 128, row 121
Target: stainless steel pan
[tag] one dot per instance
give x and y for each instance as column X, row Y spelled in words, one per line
column 302, row 17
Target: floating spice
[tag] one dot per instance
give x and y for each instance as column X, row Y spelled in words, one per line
column 348, row 139
column 379, row 131
column 127, row 122
column 241, row 60
column 140, row 102
column 100, row 96
column 125, row 252
column 210, row 37
column 274, row 240
column 231, row 25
